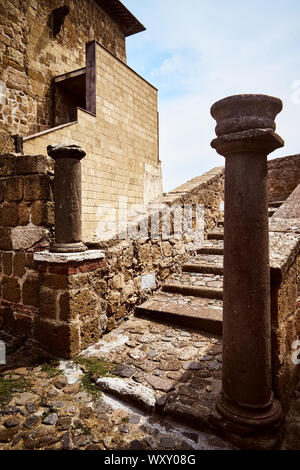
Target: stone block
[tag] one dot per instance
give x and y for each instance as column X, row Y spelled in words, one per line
column 60, row 340
column 23, row 213
column 14, row 189
column 11, row 290
column 7, row 259
column 10, row 214
column 37, row 187
column 2, row 185
column 48, row 305
column 19, row 264
column 5, row 239
column 34, row 164
column 42, row 213
column 55, row 281
column 30, row 291
column 89, row 332
column 23, row 325
column 7, row 164
column 84, row 303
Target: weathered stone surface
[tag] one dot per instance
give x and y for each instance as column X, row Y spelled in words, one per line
column 159, row 384
column 140, row 394
column 25, row 237
column 124, row 371
column 40, row 437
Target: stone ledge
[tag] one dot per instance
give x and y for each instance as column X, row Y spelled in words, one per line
column 48, row 257
column 284, row 247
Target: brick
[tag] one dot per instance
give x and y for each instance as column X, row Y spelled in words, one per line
column 14, row 189
column 2, row 185
column 9, row 323
column 30, row 292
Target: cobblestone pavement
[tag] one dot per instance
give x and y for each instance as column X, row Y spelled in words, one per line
column 153, row 365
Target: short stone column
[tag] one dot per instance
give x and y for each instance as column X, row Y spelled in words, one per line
column 246, row 135
column 67, row 198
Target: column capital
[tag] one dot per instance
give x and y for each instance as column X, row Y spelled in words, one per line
column 262, row 141
column 66, row 151
column 246, row 123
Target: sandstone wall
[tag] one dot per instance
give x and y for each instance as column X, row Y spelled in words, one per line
column 285, row 298
column 283, row 177
column 30, row 56
column 121, row 142
column 26, row 225
column 67, row 307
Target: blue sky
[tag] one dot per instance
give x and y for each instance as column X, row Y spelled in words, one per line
column 199, row 51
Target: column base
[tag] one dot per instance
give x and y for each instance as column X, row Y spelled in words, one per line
column 68, row 247
column 247, row 420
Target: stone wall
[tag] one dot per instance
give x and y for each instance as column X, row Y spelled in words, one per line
column 26, row 225
column 30, row 56
column 285, row 299
column 121, row 142
column 67, row 306
column 283, row 177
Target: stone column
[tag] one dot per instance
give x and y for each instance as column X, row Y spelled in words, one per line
column 246, row 135
column 67, row 198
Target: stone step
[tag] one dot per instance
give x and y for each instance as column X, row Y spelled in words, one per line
column 212, row 247
column 191, row 312
column 206, row 264
column 195, row 284
column 216, row 234
column 276, row 204
column 272, row 211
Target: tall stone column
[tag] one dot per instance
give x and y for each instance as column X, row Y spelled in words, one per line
column 67, row 198
column 246, row 135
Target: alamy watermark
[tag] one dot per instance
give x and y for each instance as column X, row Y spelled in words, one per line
column 151, row 222
column 2, row 353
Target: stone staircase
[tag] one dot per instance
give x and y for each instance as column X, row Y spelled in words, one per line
column 193, row 298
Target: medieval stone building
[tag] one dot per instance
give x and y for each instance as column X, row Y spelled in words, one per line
column 64, row 77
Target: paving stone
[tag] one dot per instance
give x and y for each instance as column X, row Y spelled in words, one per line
column 51, row 419
column 159, row 384
column 123, row 370
column 26, row 397
column 30, row 421
column 31, row 408
column 187, row 353
column 12, row 422
column 167, row 442
column 135, row 419
column 40, row 437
